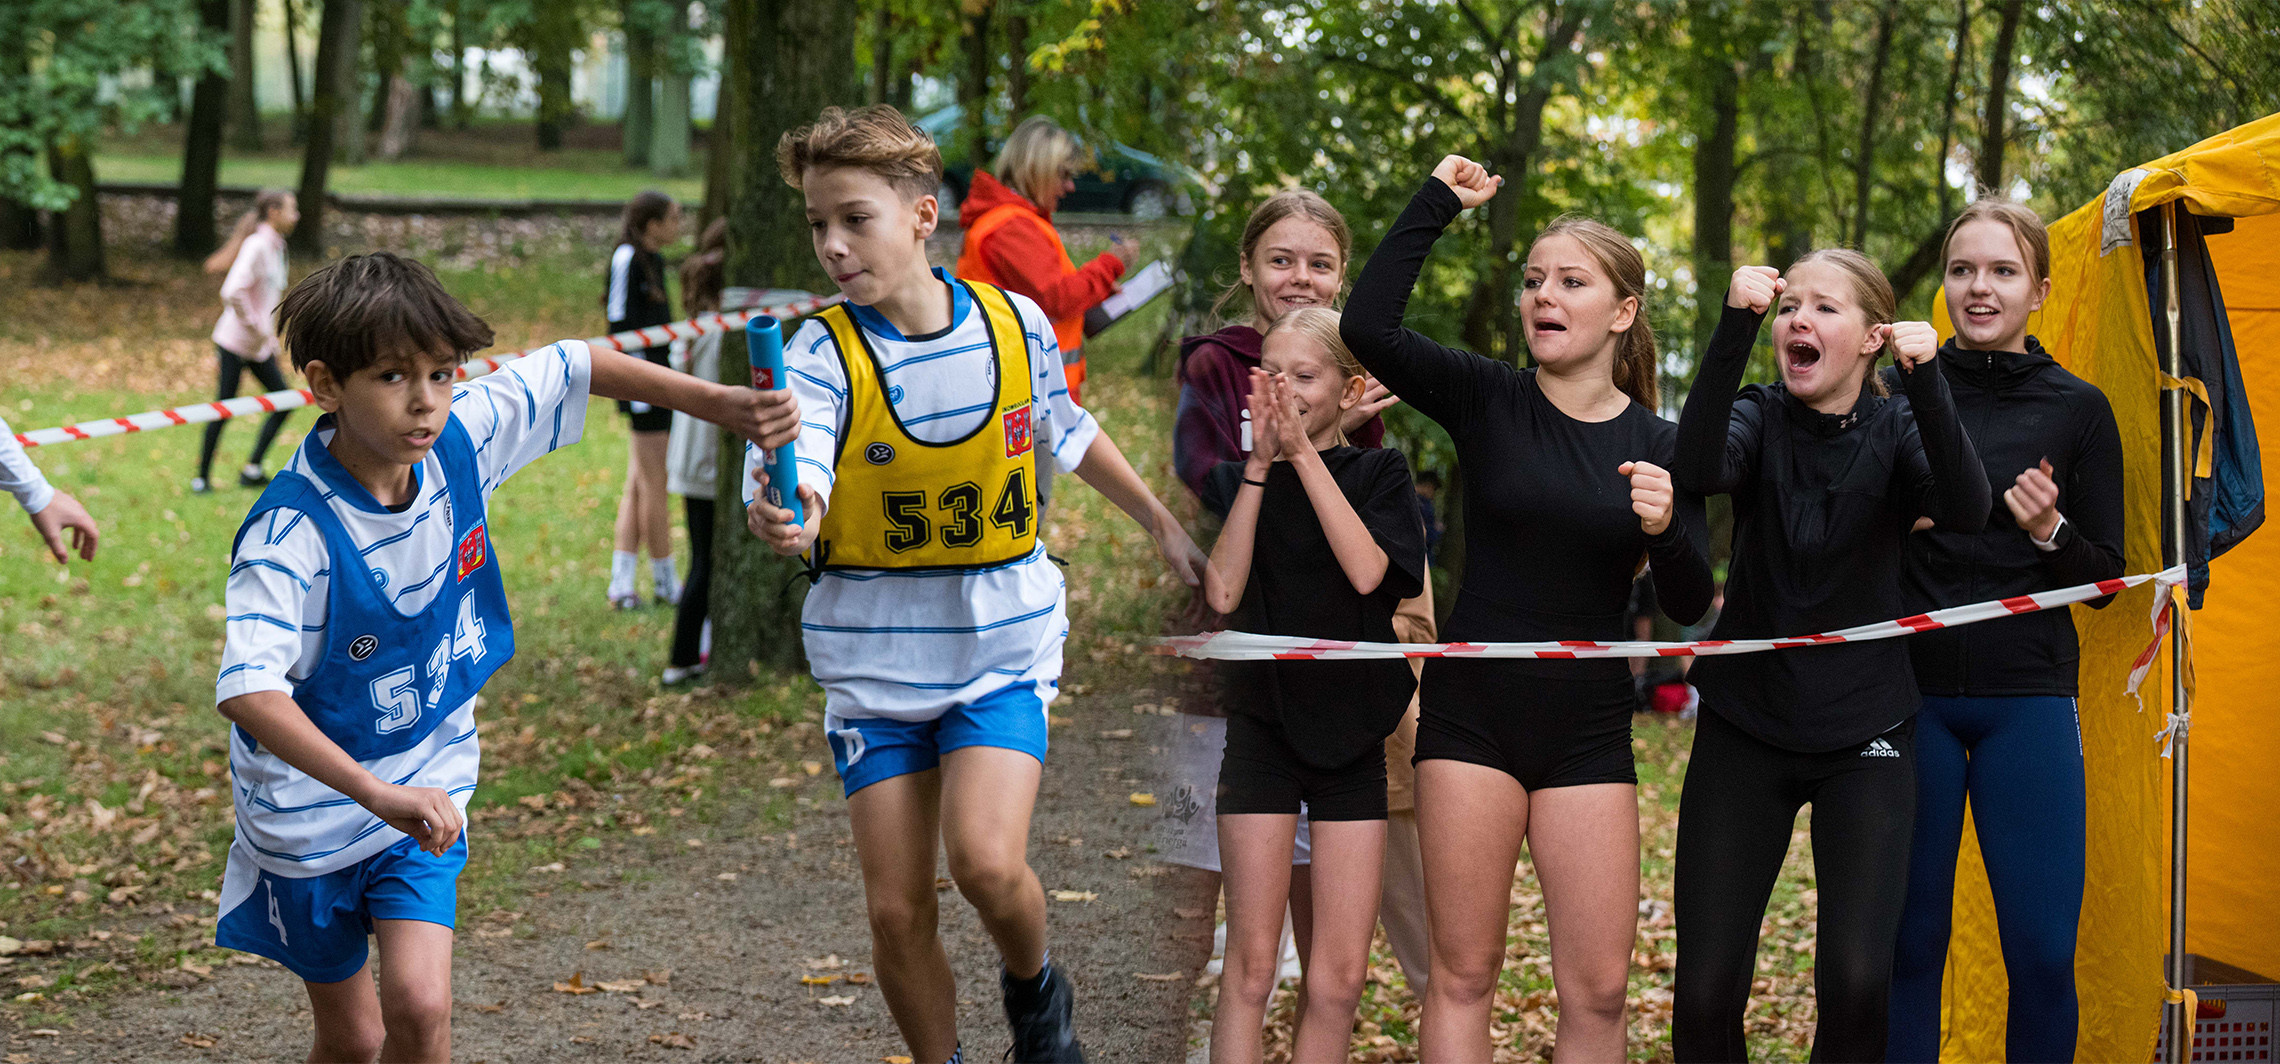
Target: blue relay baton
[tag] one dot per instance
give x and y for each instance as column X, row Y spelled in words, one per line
column 764, row 343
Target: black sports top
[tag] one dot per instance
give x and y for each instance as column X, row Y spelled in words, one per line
column 1822, row 508
column 1551, row 542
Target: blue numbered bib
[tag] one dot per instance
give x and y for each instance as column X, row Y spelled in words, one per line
column 385, row 680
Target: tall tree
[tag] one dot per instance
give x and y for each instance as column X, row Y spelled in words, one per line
column 60, row 88
column 1717, row 115
column 680, row 58
column 882, row 55
column 790, row 59
column 19, row 147
column 641, row 32
column 552, row 37
column 336, row 49
column 347, row 85
column 974, row 86
column 1017, row 65
column 1992, row 118
column 245, row 110
column 293, row 72
column 202, row 143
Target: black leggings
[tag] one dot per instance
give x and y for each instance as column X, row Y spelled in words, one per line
column 1735, row 817
column 232, row 372
column 696, row 591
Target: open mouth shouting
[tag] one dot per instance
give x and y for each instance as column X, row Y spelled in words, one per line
column 1546, row 327
column 1800, row 355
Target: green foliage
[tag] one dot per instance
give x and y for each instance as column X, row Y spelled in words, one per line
column 65, row 69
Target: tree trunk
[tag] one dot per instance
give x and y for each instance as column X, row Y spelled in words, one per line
column 348, row 100
column 556, row 32
column 1925, row 258
column 300, row 122
column 974, row 88
column 640, row 75
column 669, row 142
column 1992, row 143
column 459, row 106
column 19, row 221
column 202, row 147
column 1017, row 71
column 793, row 58
column 907, row 84
column 720, row 155
column 402, row 127
column 1713, row 171
column 1871, row 112
column 75, row 234
column 883, row 55
column 1788, row 233
column 245, row 111
column 336, row 48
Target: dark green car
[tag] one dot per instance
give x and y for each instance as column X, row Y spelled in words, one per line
column 1125, row 180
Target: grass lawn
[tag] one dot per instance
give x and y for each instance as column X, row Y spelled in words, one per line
column 490, row 160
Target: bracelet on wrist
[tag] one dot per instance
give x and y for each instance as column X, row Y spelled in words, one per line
column 1255, row 483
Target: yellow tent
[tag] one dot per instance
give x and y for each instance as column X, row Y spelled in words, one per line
column 2099, row 323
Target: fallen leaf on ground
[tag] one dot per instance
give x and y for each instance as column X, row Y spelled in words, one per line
column 599, row 943
column 782, row 782
column 9, row 947
column 498, row 1006
column 894, row 1060
column 1117, row 733
column 197, row 969
column 1118, row 854
column 823, row 963
column 645, row 1003
column 1160, row 977
column 837, row 1000
column 576, row 985
column 1143, row 798
column 673, row 1040
column 726, row 877
column 818, row 980
column 555, row 867
column 812, row 768
column 657, row 976
column 621, row 986
column 197, row 1041
column 859, row 978
column 1075, row 895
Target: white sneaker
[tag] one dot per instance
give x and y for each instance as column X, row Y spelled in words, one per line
column 674, row 674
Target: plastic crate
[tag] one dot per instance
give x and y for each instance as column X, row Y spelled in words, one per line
column 2236, row 1022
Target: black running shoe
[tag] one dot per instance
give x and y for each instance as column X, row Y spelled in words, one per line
column 251, row 480
column 1043, row 1020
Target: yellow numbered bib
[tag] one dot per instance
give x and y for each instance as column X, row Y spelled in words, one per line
column 901, row 503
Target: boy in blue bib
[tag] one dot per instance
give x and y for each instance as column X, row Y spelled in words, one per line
column 365, row 612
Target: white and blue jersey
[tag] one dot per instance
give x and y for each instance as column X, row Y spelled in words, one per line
column 381, row 623
column 912, row 645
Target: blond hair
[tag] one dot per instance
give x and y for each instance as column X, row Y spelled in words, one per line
column 1320, row 324
column 1288, row 203
column 2024, row 223
column 1635, row 370
column 1870, row 290
column 877, row 139
column 1035, row 157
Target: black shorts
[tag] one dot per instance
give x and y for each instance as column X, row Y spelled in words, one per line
column 654, row 418
column 1261, row 773
column 1542, row 730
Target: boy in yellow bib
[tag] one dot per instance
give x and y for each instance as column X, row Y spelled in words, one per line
column 929, row 407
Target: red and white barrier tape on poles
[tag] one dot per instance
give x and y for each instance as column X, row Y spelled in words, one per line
column 631, row 339
column 1245, row 646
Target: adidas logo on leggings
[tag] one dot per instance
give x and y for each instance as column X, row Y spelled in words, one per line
column 1878, row 748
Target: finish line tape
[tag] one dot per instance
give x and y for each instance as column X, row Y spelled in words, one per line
column 195, row 413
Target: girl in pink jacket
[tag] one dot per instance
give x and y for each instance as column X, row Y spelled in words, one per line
column 246, row 336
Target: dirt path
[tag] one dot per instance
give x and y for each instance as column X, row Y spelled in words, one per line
column 738, row 947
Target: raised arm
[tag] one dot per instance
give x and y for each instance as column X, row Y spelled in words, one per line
column 767, row 418
column 1444, row 383
column 1717, row 437
column 1951, row 484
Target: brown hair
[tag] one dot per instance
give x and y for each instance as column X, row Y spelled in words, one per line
column 1290, row 202
column 351, row 314
column 264, row 202
column 876, row 138
column 2023, row 222
column 1870, row 290
column 703, row 275
column 1320, row 324
column 1636, row 370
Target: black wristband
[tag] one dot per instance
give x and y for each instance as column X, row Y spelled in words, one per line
column 1255, row 483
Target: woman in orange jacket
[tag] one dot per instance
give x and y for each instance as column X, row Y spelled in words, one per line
column 1011, row 242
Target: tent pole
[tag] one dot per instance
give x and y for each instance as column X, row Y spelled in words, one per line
column 2174, row 427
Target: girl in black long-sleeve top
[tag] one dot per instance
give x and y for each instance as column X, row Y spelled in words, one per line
column 1999, row 723
column 1565, row 494
column 1827, row 476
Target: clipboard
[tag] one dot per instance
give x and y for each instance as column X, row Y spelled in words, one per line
column 1151, row 281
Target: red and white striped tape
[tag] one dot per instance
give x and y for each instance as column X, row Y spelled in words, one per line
column 631, row 339
column 1245, row 646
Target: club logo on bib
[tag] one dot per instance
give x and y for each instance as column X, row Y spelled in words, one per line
column 363, row 647
column 1018, row 435
column 879, row 453
column 472, row 553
